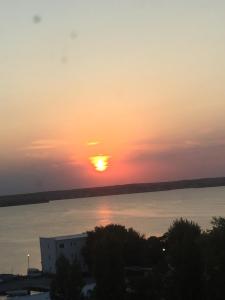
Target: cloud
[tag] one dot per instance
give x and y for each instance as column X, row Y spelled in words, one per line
column 187, row 159
column 34, row 175
column 93, row 143
column 204, row 137
column 44, row 144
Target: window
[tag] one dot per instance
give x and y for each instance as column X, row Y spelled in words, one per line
column 61, row 245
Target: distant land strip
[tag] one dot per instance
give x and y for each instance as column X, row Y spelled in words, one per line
column 44, row 197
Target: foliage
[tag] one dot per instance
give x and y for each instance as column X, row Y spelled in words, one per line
column 107, row 251
column 109, row 270
column 185, row 260
column 186, row 263
column 214, row 259
column 67, row 282
column 131, row 243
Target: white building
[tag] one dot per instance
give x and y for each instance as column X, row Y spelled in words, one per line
column 69, row 246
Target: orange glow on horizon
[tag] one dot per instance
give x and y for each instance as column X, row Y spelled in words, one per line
column 100, row 162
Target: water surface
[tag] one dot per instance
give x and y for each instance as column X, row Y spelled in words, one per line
column 149, row 213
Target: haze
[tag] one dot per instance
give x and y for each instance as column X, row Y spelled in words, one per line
column 141, row 82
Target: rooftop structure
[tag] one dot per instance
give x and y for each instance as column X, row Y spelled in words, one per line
column 70, row 246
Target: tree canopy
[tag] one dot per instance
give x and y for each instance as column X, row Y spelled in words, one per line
column 67, row 282
column 185, row 263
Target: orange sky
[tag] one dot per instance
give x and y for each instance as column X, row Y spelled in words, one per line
column 144, row 79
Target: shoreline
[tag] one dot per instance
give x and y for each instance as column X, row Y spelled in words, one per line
column 133, row 188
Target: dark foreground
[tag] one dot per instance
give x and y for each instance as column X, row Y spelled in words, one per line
column 185, row 263
column 43, row 197
column 41, row 284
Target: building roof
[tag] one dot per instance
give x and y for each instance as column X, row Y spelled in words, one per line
column 39, row 296
column 67, row 237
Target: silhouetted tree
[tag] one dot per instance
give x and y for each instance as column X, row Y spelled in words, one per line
column 184, row 260
column 67, row 282
column 109, row 270
column 148, row 283
column 214, row 259
column 133, row 245
column 145, row 287
column 59, row 285
column 105, row 255
column 76, row 280
column 156, row 247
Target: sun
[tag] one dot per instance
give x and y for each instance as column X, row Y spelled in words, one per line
column 100, row 162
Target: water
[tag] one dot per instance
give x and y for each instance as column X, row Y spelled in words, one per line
column 149, row 213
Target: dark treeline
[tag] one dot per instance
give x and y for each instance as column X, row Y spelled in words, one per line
column 43, row 197
column 185, row 263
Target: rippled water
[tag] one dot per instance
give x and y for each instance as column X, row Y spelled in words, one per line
column 149, row 213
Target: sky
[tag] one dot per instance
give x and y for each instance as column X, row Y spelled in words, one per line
column 140, row 82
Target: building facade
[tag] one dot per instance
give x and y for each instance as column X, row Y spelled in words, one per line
column 69, row 246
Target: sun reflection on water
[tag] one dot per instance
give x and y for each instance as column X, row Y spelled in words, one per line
column 104, row 215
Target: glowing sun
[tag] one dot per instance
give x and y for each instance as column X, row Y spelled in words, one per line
column 100, row 162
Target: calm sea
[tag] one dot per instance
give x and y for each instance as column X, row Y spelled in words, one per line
column 149, row 213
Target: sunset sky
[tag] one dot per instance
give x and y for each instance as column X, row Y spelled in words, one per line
column 141, row 82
